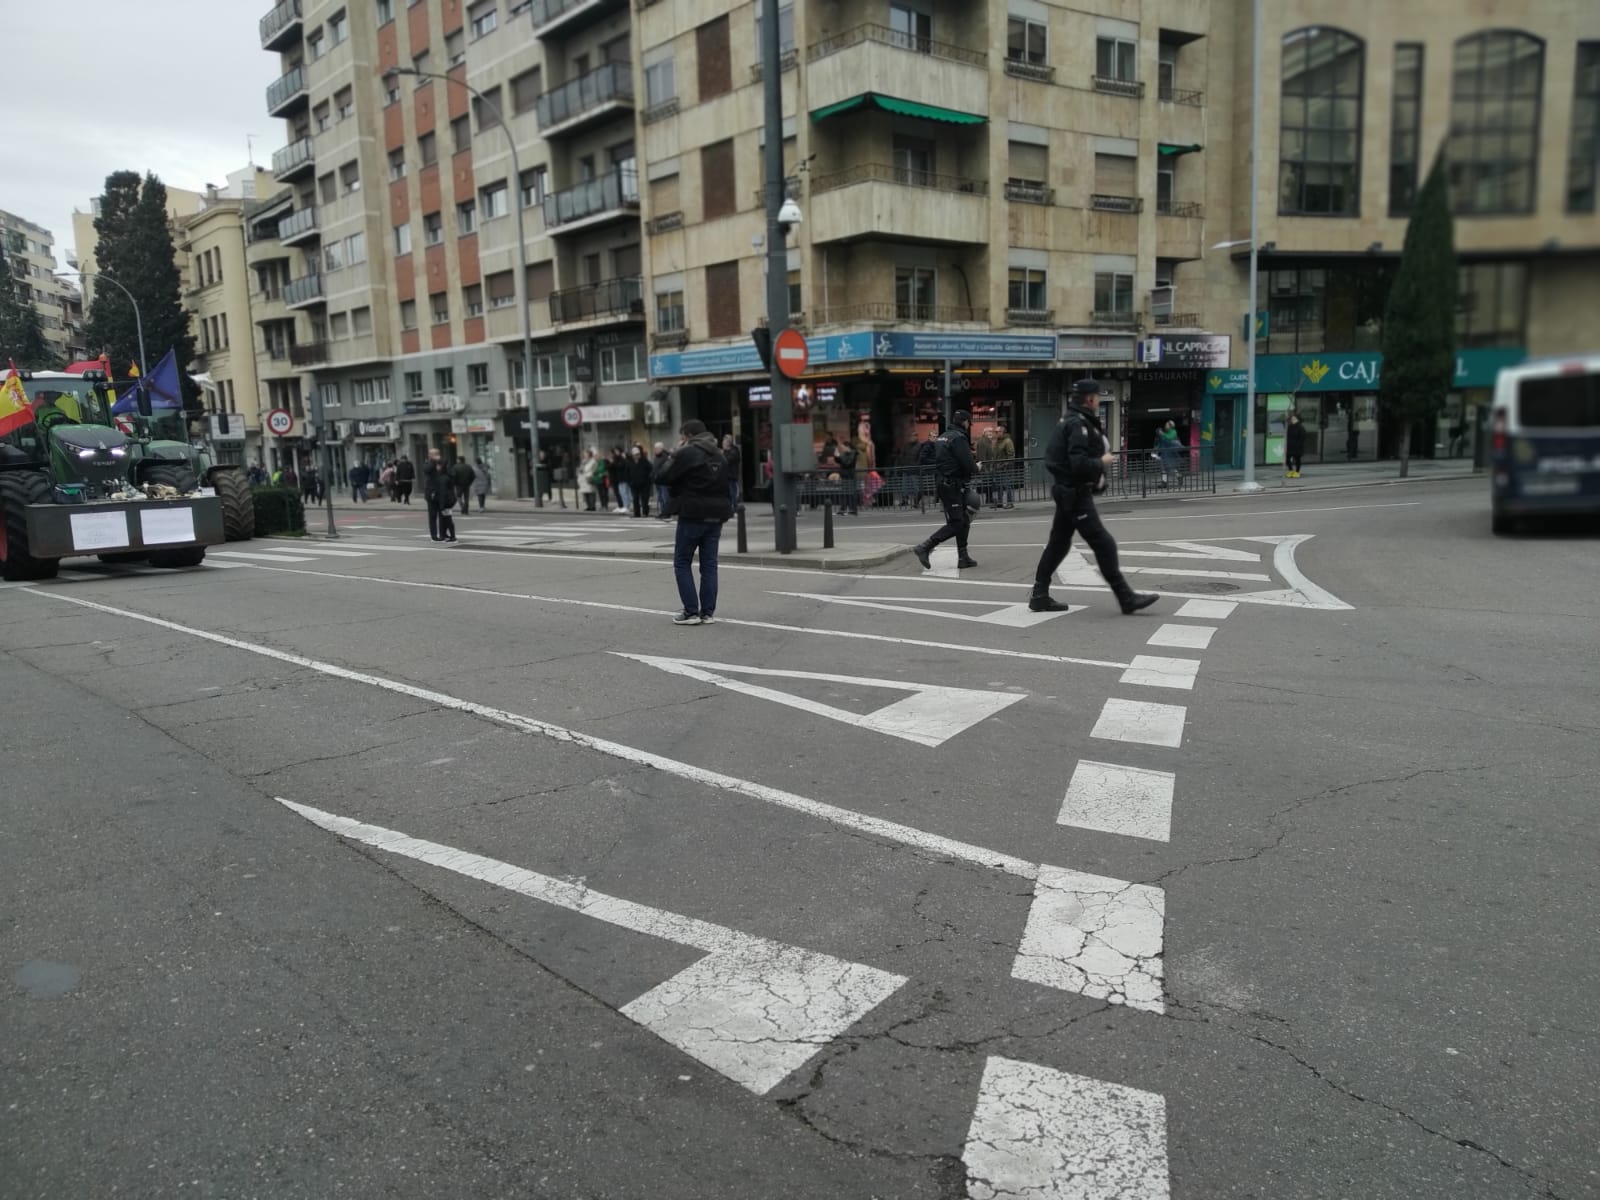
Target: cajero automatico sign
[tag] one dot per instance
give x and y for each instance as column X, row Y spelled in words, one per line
column 1357, row 372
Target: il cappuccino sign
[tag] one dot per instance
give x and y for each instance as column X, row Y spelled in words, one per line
column 1200, row 350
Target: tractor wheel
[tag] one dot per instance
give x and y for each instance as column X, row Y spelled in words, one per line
column 238, row 503
column 18, row 489
column 189, row 556
column 174, row 474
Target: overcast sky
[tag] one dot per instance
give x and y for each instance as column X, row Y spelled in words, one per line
column 96, row 86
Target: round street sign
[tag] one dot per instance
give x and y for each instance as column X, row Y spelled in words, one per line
column 280, row 421
column 792, row 355
column 572, row 416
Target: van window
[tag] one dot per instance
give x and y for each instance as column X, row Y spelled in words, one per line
column 1559, row 402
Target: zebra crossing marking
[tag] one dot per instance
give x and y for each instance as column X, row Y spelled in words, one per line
column 1130, row 801
column 1094, row 936
column 1141, row 721
column 1183, row 637
column 1208, row 610
column 263, row 557
column 1151, row 670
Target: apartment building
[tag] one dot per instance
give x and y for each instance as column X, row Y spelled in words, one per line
column 30, row 256
column 218, row 301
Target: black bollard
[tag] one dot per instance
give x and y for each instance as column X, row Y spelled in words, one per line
column 744, row 539
column 827, row 525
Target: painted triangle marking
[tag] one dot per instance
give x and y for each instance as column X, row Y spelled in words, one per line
column 930, row 716
column 1011, row 616
column 1194, row 550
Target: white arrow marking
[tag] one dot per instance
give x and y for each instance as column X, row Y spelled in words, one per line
column 930, row 716
column 1194, row 550
column 1094, row 936
column 1042, row 1134
column 1012, row 616
column 753, row 1009
column 1079, row 571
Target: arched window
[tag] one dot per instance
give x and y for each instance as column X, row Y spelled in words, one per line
column 1494, row 121
column 1319, row 143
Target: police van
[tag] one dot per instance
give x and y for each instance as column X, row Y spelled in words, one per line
column 1544, row 445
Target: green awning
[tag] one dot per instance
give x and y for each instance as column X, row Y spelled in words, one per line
column 905, row 108
column 1168, row 150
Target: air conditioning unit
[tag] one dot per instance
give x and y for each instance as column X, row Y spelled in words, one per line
column 503, row 401
column 519, row 398
column 655, row 412
column 579, row 393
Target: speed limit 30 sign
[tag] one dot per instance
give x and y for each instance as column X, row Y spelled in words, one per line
column 280, row 421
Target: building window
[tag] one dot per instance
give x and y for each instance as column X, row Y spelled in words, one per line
column 402, row 239
column 1319, row 149
column 391, row 92
column 1026, row 290
column 330, row 396
column 1113, row 294
column 622, row 364
column 483, row 18
column 712, row 56
column 910, row 29
column 408, row 314
column 916, row 293
column 1491, row 304
column 461, row 134
column 455, row 49
column 796, row 300
column 525, row 89
column 785, row 29
column 717, row 180
column 534, row 186
column 314, row 46
column 327, row 188
column 669, row 312
column 1405, row 124
column 397, row 163
column 1116, row 58
column 550, row 371
column 385, row 11
column 360, row 322
column 355, row 249
column 478, row 378
column 1026, row 41
column 466, row 217
column 338, row 28
column 338, row 327
column 414, row 385
column 344, row 103
column 472, row 300
column 444, row 380
column 350, row 177
column 492, row 201
column 322, row 118
column 432, row 228
column 722, row 300
column 502, row 290
column 660, row 81
column 439, row 306
column 333, row 257
column 422, row 61
column 1583, row 159
column 428, row 149
column 1493, row 146
column 487, row 108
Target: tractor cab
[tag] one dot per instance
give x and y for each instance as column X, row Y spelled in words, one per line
column 73, row 431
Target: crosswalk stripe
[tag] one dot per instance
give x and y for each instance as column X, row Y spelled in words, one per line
column 1094, row 936
column 1042, row 1134
column 1183, row 637
column 403, row 549
column 324, row 552
column 1150, row 670
column 1207, row 609
column 944, row 563
column 279, row 558
column 756, row 1010
column 1141, row 721
column 1130, row 801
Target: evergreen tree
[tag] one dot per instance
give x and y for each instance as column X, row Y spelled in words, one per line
column 1419, row 322
column 135, row 249
column 22, row 337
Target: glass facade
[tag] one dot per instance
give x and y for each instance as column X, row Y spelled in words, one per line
column 1319, row 147
column 1583, row 158
column 1493, row 144
column 1405, row 122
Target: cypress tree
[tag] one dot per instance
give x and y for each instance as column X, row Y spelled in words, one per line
column 1419, row 321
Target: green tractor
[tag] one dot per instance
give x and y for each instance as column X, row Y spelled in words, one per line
column 164, row 436
column 73, row 483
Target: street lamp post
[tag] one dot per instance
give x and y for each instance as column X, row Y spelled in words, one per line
column 1250, row 484
column 783, row 489
column 138, row 321
column 522, row 264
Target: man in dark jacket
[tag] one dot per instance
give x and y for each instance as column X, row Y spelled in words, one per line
column 697, row 479
column 461, row 476
column 845, row 459
column 1077, row 458
column 405, row 478
column 953, row 467
column 439, row 489
column 1294, row 446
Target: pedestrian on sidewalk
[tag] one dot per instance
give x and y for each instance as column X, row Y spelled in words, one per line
column 1167, row 450
column 617, row 475
column 953, row 469
column 1077, row 458
column 590, row 471
column 730, row 452
column 480, row 483
column 1005, row 461
column 405, row 478
column 657, row 466
column 461, row 476
column 1294, row 446
column 439, row 490
column 308, row 486
column 641, row 480
column 845, row 458
column 696, row 478
column 386, row 482
column 358, row 483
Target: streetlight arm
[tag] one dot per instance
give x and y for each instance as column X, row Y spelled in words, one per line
column 138, row 321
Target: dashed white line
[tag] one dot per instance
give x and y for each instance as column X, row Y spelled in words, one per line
column 1152, row 670
column 1095, row 936
column 1208, row 610
column 1130, row 801
column 271, row 558
column 1139, row 721
column 1183, row 637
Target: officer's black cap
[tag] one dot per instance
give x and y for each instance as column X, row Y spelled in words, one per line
column 961, row 417
column 1086, row 387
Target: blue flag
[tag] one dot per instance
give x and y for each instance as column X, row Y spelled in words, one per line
column 163, row 385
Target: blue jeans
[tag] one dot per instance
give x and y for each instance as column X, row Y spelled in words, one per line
column 704, row 536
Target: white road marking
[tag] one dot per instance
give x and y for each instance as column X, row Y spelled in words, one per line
column 325, row 552
column 930, row 716
column 1195, row 550
column 755, row 1010
column 1151, row 670
column 1130, row 801
column 1311, row 595
column 1096, row 937
column 930, row 844
column 1010, row 616
column 400, row 547
column 1183, row 637
column 1141, row 721
column 1043, row 1134
column 1207, row 609
column 944, row 566
column 271, row 558
column 1079, row 570
column 833, row 634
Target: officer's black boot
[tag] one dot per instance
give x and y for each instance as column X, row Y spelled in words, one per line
column 920, row 553
column 1133, row 601
column 1042, row 601
column 966, row 560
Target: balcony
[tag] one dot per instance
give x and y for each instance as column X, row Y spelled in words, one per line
column 622, row 297
column 669, row 339
column 293, row 161
column 281, row 26
column 1030, row 316
column 1028, row 191
column 612, row 196
column 603, row 92
column 1171, row 208
column 1115, row 318
column 788, row 60
column 309, row 355
column 303, row 292
column 287, row 93
column 1175, row 320
column 298, row 227
column 1101, row 202
column 1131, row 88
column 891, row 312
column 885, row 202
column 563, row 18
column 667, row 222
column 896, row 65
column 1022, row 69
column 1173, row 95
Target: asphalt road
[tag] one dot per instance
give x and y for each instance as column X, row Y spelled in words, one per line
column 387, row 869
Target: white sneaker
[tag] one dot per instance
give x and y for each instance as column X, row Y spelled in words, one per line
column 707, row 619
column 686, row 618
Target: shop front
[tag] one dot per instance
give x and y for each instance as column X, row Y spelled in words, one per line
column 1336, row 399
column 374, row 442
column 1171, row 386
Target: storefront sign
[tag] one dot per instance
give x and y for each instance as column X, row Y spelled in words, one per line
column 472, row 425
column 1357, row 372
column 1095, row 347
column 860, row 347
column 376, row 429
column 761, row 395
column 583, row 361
column 1205, row 350
column 447, row 403
column 601, row 414
column 234, row 432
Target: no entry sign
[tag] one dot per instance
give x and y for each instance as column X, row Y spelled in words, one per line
column 791, row 352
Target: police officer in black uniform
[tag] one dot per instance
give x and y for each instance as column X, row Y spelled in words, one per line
column 1077, row 458
column 953, row 466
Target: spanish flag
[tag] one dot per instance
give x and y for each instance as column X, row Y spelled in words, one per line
column 15, row 411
